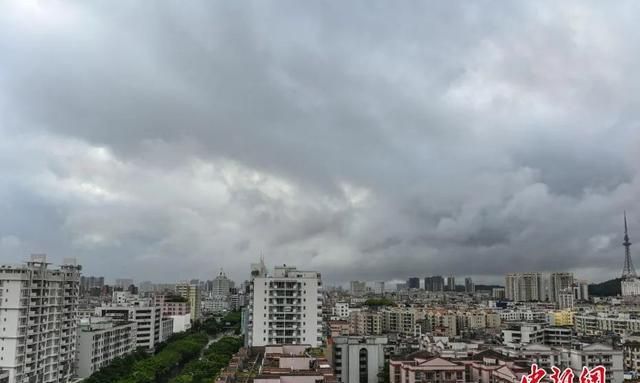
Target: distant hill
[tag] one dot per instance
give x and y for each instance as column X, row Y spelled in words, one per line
column 606, row 289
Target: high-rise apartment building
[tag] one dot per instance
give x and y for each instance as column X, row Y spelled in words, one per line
column 559, row 282
column 89, row 284
column 523, row 287
column 413, row 283
column 285, row 307
column 469, row 287
column 221, row 285
column 358, row 288
column 434, row 283
column 38, row 320
column 191, row 292
column 581, row 290
column 451, row 283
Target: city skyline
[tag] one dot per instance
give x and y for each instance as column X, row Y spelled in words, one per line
column 164, row 142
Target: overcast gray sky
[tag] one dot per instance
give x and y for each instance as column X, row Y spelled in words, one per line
column 367, row 140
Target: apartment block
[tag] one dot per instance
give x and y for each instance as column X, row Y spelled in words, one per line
column 559, row 283
column 524, row 287
column 145, row 314
column 285, row 307
column 38, row 316
column 100, row 340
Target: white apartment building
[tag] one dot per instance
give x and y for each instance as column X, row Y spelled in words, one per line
column 516, row 335
column 221, row 285
column 38, row 320
column 581, row 290
column 522, row 316
column 602, row 323
column 100, row 340
column 216, row 304
column 524, row 333
column 284, row 308
column 524, row 287
column 357, row 359
column 144, row 314
column 341, row 310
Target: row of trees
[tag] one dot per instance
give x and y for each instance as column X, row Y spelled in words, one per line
column 379, row 302
column 160, row 366
column 141, row 367
column 118, row 369
column 215, row 358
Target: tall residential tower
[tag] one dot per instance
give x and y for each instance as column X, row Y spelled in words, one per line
column 39, row 316
column 285, row 307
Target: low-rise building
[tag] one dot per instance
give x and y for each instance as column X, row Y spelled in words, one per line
column 289, row 363
column 604, row 323
column 338, row 328
column 426, row 369
column 560, row 318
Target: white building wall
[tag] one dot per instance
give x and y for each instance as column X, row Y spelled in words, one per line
column 98, row 345
column 272, row 314
column 38, row 320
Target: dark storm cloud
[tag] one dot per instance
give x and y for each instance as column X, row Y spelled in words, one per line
column 365, row 140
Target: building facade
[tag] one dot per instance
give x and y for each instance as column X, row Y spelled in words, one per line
column 221, row 285
column 413, row 283
column 100, row 340
column 145, row 315
column 434, row 283
column 524, row 287
column 38, row 315
column 357, row 359
column 559, row 283
column 285, row 307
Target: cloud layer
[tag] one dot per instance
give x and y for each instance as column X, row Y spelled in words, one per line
column 365, row 140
